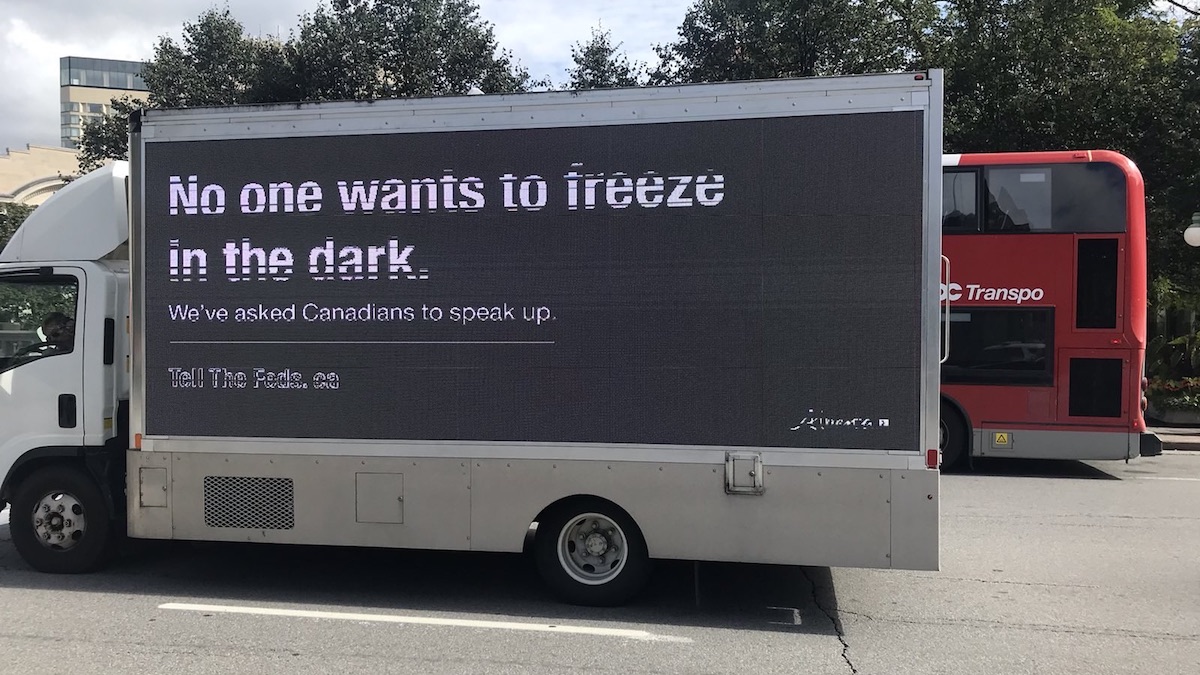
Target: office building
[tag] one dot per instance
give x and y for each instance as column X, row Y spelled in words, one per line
column 86, row 86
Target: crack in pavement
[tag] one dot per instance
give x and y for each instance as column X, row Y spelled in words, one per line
column 1038, row 627
column 830, row 614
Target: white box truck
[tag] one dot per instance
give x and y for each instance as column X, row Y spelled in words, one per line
column 696, row 322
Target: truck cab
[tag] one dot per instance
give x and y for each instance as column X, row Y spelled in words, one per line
column 64, row 380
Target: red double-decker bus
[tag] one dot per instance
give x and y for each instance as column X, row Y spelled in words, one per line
column 1045, row 307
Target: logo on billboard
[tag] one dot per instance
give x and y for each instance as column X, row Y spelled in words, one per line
column 978, row 293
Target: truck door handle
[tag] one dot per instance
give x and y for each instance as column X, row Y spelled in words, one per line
column 66, row 411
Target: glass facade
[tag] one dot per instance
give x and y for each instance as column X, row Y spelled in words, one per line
column 76, row 71
column 103, row 73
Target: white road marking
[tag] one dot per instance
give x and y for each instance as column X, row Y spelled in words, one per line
column 429, row 621
column 1195, row 480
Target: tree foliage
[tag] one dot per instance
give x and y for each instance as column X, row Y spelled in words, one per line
column 722, row 40
column 11, row 217
column 365, row 49
column 107, row 137
column 601, row 64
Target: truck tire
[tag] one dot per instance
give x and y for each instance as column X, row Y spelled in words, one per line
column 953, row 437
column 590, row 552
column 60, row 521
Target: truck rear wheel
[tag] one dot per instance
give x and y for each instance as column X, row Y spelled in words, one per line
column 953, row 437
column 590, row 552
column 60, row 521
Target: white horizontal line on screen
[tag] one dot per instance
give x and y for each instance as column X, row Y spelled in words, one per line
column 362, row 342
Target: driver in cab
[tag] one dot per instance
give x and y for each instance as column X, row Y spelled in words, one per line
column 57, row 333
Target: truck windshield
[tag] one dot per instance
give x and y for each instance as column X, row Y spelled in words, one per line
column 37, row 318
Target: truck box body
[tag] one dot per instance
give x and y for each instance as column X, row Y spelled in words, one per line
column 422, row 323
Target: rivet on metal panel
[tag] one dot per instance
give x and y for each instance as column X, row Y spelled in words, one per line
column 930, row 497
column 902, row 476
column 660, row 468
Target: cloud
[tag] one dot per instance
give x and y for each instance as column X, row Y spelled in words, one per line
column 34, row 34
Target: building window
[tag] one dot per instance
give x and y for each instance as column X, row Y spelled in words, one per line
column 1000, row 346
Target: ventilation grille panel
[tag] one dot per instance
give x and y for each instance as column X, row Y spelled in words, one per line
column 249, row 502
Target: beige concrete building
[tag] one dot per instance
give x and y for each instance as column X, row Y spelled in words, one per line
column 31, row 175
column 86, row 87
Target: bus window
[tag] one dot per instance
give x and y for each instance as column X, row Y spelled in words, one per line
column 1018, row 199
column 1062, row 198
column 1096, row 283
column 1000, row 346
column 960, row 212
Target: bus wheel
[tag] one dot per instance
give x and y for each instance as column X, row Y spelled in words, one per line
column 60, row 521
column 952, row 437
column 590, row 552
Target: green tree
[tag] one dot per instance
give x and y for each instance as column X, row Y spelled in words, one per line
column 107, row 137
column 11, row 217
column 365, row 49
column 746, row 39
column 600, row 64
column 216, row 64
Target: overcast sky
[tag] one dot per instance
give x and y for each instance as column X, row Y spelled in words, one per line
column 35, row 33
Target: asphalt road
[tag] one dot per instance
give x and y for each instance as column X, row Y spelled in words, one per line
column 1047, row 568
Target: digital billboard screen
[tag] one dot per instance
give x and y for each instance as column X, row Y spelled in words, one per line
column 748, row 282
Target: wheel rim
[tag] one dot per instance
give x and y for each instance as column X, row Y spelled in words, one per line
column 591, row 549
column 943, row 434
column 59, row 521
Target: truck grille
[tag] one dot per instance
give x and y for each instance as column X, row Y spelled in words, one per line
column 249, row 502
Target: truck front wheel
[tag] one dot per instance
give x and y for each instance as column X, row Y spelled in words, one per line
column 60, row 521
column 590, row 552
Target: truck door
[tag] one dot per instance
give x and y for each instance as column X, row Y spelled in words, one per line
column 42, row 343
